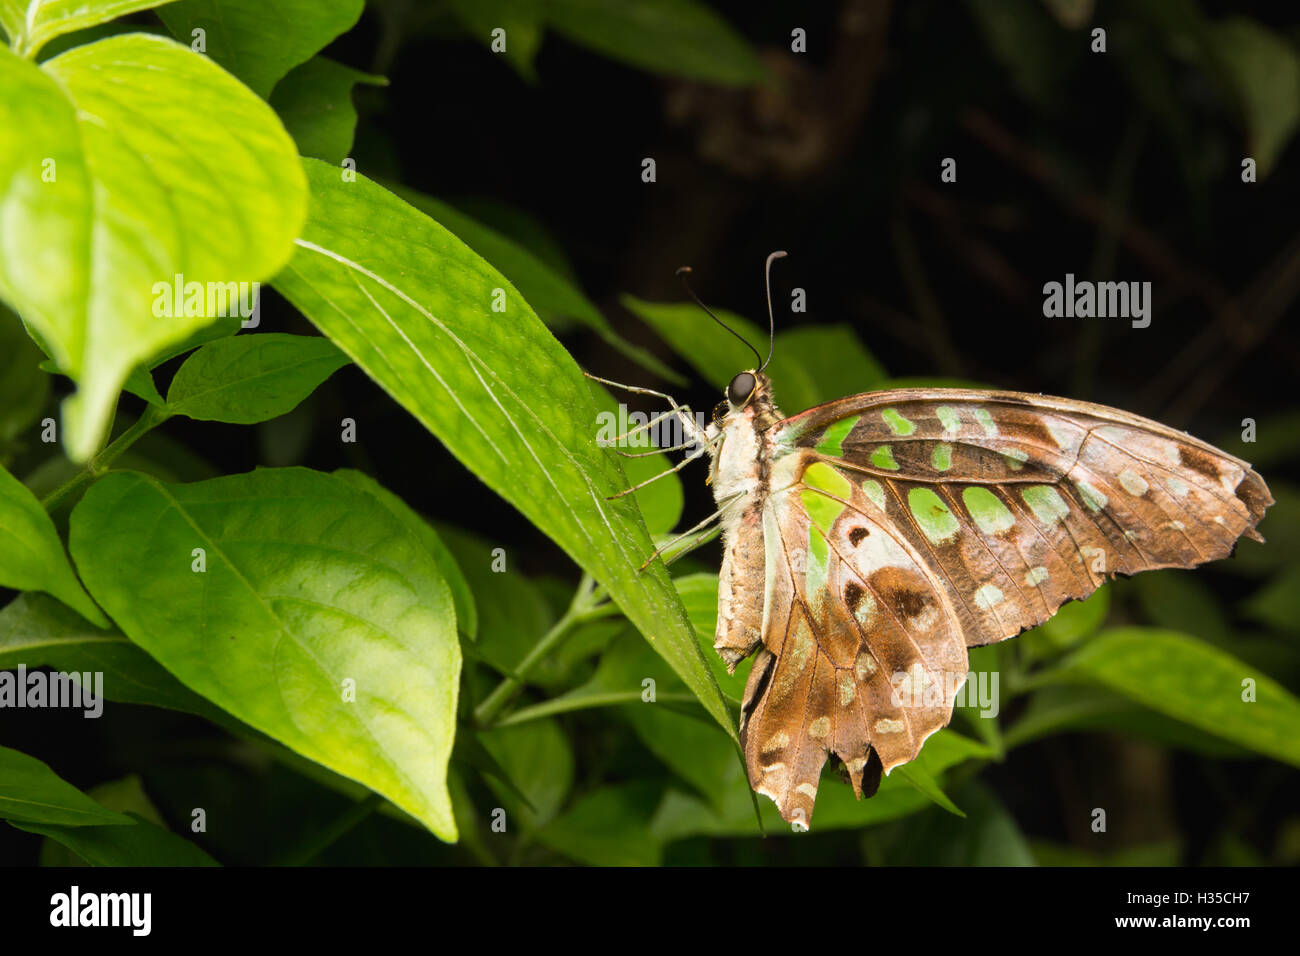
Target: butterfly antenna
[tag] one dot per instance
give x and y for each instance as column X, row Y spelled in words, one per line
column 771, row 322
column 682, row 273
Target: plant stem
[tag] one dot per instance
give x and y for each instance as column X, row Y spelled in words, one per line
column 335, row 831
column 583, row 608
column 100, row 461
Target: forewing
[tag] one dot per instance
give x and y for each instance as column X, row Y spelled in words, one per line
column 1022, row 502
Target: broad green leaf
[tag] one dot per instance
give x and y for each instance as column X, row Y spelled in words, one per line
column 520, row 19
column 461, row 596
column 31, row 792
column 145, row 844
column 679, row 37
column 988, row 836
column 1193, row 682
column 1264, row 69
column 261, row 40
column 251, row 378
column 209, row 188
column 660, row 501
column 553, row 295
column 40, row 632
column 832, row 359
column 148, row 843
column 30, row 24
column 312, row 593
column 607, row 827
column 31, row 554
column 539, row 758
column 522, row 227
column 23, row 387
column 1069, row 625
column 315, row 102
column 412, row 306
column 712, row 351
column 1062, row 708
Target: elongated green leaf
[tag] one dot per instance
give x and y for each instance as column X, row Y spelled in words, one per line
column 148, row 843
column 100, row 206
column 925, row 783
column 31, row 792
column 553, row 295
column 317, row 617
column 539, row 758
column 40, row 632
column 1198, row 684
column 462, row 597
column 608, row 827
column 1264, row 68
column 23, row 387
column 679, row 37
column 261, row 40
column 315, row 101
column 145, row 844
column 30, row 24
column 31, row 554
column 412, row 306
column 252, row 378
column 521, row 21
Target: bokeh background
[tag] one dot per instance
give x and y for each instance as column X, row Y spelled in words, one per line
column 1117, row 165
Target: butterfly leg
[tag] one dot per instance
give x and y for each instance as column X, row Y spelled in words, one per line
column 686, row 534
column 663, row 474
column 640, row 428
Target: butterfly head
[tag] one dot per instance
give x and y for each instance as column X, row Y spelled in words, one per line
column 751, row 389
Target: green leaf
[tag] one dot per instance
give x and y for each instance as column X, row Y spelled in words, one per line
column 1278, row 603
column 1069, row 625
column 315, row 102
column 927, row 785
column 678, row 37
column 148, row 843
column 988, row 836
column 553, row 295
column 1264, row 69
column 31, row 554
column 411, row 305
column 520, row 19
column 23, row 387
column 251, row 378
column 1181, row 601
column 308, row 583
column 608, row 827
column 461, row 596
column 539, row 758
column 208, row 188
column 30, row 24
column 1198, row 684
column 40, row 632
column 33, row 793
column 145, row 844
column 261, row 40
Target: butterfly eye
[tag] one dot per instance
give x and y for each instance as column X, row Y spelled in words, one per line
column 741, row 388
column 720, row 411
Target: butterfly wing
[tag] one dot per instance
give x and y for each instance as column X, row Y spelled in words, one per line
column 903, row 527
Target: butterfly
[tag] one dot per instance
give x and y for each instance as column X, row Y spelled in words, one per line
column 869, row 541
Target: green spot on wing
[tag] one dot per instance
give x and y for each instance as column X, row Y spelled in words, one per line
column 896, row 422
column 986, row 422
column 875, row 492
column 1093, row 498
column 941, row 457
column 819, row 557
column 935, row 520
column 989, row 512
column 948, row 419
column 1046, row 503
column 823, row 480
column 883, row 457
column 832, row 439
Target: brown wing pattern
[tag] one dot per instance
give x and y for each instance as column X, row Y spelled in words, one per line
column 915, row 523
